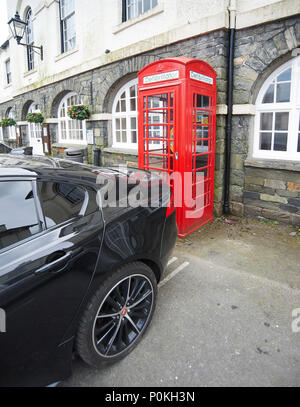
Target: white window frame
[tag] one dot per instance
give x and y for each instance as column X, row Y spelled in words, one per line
column 64, row 18
column 9, row 132
column 292, row 107
column 8, row 72
column 34, row 129
column 29, row 40
column 1, row 134
column 133, row 5
column 65, row 120
column 128, row 114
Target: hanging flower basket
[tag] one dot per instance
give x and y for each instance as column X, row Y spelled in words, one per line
column 35, row 118
column 7, row 122
column 80, row 112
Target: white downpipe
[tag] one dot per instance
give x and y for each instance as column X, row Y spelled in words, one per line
column 232, row 14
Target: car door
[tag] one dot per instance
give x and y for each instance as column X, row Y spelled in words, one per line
column 49, row 244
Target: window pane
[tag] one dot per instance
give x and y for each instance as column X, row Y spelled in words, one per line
column 18, row 217
column 280, row 141
column 60, row 201
column 133, row 91
column 133, row 123
column 202, row 101
column 265, row 141
column 29, row 27
column 67, row 7
column 269, row 95
column 69, row 32
column 133, row 105
column 283, row 92
column 158, row 101
column 266, row 121
column 282, row 121
column 133, row 137
column 147, row 5
column 285, row 76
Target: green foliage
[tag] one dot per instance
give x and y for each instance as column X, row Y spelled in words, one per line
column 7, row 122
column 80, row 112
column 35, row 118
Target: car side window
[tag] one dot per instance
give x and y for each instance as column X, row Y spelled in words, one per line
column 18, row 215
column 63, row 201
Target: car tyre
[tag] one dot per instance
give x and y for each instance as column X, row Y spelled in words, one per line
column 118, row 315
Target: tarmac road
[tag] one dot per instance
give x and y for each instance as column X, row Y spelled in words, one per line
column 223, row 318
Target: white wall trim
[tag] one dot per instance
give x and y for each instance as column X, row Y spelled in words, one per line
column 129, row 23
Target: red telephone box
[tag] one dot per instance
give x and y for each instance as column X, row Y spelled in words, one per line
column 177, row 132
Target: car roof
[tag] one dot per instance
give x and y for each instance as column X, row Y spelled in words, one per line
column 22, row 165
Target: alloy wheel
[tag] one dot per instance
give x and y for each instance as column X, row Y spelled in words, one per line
column 123, row 315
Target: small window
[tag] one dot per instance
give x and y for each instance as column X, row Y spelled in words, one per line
column 63, row 201
column 29, row 40
column 18, row 215
column 277, row 115
column 134, row 8
column 68, row 31
column 8, row 72
column 125, row 116
column 10, row 131
column 71, row 131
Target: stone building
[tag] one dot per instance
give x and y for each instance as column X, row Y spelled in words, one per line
column 94, row 49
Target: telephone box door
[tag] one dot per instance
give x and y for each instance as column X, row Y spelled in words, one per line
column 200, row 162
column 157, row 147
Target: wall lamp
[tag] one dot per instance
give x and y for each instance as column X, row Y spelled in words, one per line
column 17, row 28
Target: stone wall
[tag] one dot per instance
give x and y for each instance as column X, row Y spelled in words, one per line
column 272, row 194
column 98, row 88
column 255, row 190
column 258, row 52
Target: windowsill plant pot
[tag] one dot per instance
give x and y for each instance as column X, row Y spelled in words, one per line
column 80, row 112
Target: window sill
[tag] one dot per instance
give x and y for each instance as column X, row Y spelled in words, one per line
column 66, row 145
column 114, row 150
column 7, row 86
column 66, row 54
column 129, row 23
column 28, row 73
column 273, row 164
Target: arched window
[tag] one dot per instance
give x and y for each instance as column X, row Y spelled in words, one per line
column 124, row 114
column 277, row 121
column 35, row 130
column 29, row 40
column 71, row 131
column 11, row 130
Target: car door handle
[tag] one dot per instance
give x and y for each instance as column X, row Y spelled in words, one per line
column 61, row 262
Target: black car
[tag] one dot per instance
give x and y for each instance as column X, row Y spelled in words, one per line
column 76, row 277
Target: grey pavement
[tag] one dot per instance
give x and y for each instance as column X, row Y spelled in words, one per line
column 223, row 315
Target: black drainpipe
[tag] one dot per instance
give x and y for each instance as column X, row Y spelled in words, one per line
column 226, row 207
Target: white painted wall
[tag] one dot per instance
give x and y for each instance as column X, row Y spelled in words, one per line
column 99, row 27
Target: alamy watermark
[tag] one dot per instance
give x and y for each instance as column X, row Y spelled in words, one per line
column 296, row 320
column 2, row 321
column 133, row 188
